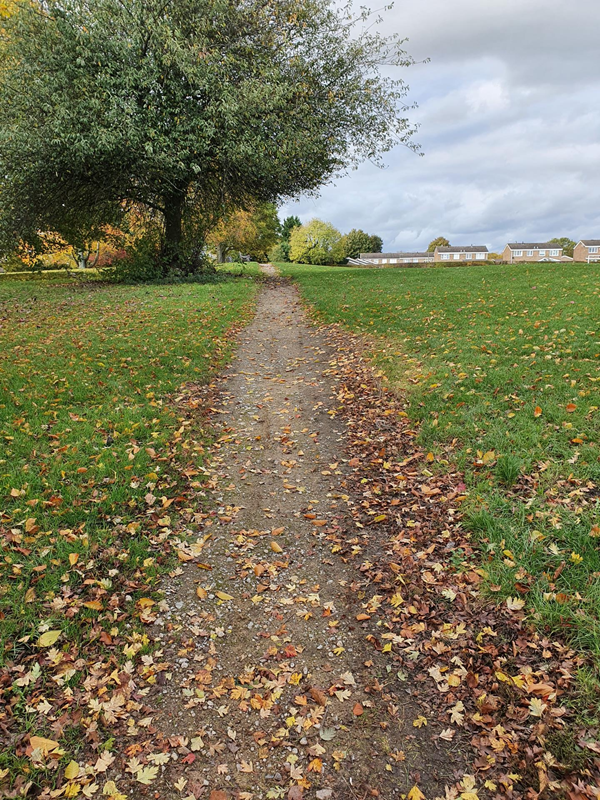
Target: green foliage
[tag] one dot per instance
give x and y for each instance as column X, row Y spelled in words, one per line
column 107, row 104
column 356, row 242
column 500, row 364
column 281, row 252
column 441, row 241
column 568, row 245
column 317, row 242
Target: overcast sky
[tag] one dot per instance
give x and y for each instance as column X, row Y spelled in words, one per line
column 509, row 109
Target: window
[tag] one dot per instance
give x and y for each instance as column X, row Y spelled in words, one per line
column 530, row 252
column 480, row 256
column 542, row 252
column 469, row 256
column 393, row 260
column 553, row 252
column 518, row 252
column 445, row 256
column 456, row 256
column 593, row 249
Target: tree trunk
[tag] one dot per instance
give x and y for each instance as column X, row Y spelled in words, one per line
column 220, row 253
column 173, row 229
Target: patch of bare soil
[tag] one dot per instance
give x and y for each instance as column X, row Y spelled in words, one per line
column 269, row 686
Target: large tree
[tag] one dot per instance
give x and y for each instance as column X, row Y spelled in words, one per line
column 568, row 245
column 187, row 107
column 356, row 242
column 441, row 241
column 317, row 242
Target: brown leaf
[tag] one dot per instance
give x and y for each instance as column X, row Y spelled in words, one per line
column 318, row 696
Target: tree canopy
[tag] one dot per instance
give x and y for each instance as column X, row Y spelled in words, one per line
column 441, row 241
column 190, row 108
column 317, row 242
column 568, row 245
column 356, row 242
column 249, row 232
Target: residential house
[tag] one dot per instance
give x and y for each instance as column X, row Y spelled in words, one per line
column 587, row 250
column 533, row 251
column 472, row 253
column 389, row 259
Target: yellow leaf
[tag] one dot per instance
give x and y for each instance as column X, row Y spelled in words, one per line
column 95, row 605
column 201, row 592
column 48, row 639
column 537, row 411
column 73, row 558
column 419, row 722
column 146, row 775
column 416, row 794
column 276, row 548
column 396, row 600
column 514, row 603
column 223, row 596
column 72, row 770
column 536, row 707
column 45, row 745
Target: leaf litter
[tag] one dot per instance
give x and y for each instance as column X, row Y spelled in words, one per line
column 354, row 659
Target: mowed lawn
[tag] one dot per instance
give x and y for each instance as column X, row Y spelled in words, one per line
column 89, row 432
column 501, row 365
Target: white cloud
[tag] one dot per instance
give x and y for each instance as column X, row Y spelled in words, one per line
column 510, row 127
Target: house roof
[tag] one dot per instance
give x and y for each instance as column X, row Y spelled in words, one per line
column 480, row 248
column 534, row 246
column 590, row 242
column 395, row 255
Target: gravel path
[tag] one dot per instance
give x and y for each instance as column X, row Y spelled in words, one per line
column 273, row 691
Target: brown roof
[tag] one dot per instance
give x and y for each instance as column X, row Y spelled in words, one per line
column 480, row 248
column 534, row 246
column 591, row 242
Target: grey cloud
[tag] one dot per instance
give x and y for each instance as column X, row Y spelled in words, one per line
column 509, row 114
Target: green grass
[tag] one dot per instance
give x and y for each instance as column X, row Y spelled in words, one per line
column 478, row 350
column 88, row 428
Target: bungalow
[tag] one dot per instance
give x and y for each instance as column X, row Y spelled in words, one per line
column 527, row 251
column 587, row 250
column 471, row 253
column 381, row 259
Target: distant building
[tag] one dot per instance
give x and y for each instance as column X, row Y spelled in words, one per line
column 472, row 253
column 533, row 251
column 587, row 250
column 388, row 259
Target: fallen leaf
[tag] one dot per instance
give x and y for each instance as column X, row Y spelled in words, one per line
column 147, row 775
column 45, row 745
column 48, row 639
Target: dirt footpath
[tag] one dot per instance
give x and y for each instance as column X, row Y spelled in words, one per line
column 273, row 691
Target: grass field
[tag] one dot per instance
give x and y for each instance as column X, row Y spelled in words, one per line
column 501, row 365
column 88, row 429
